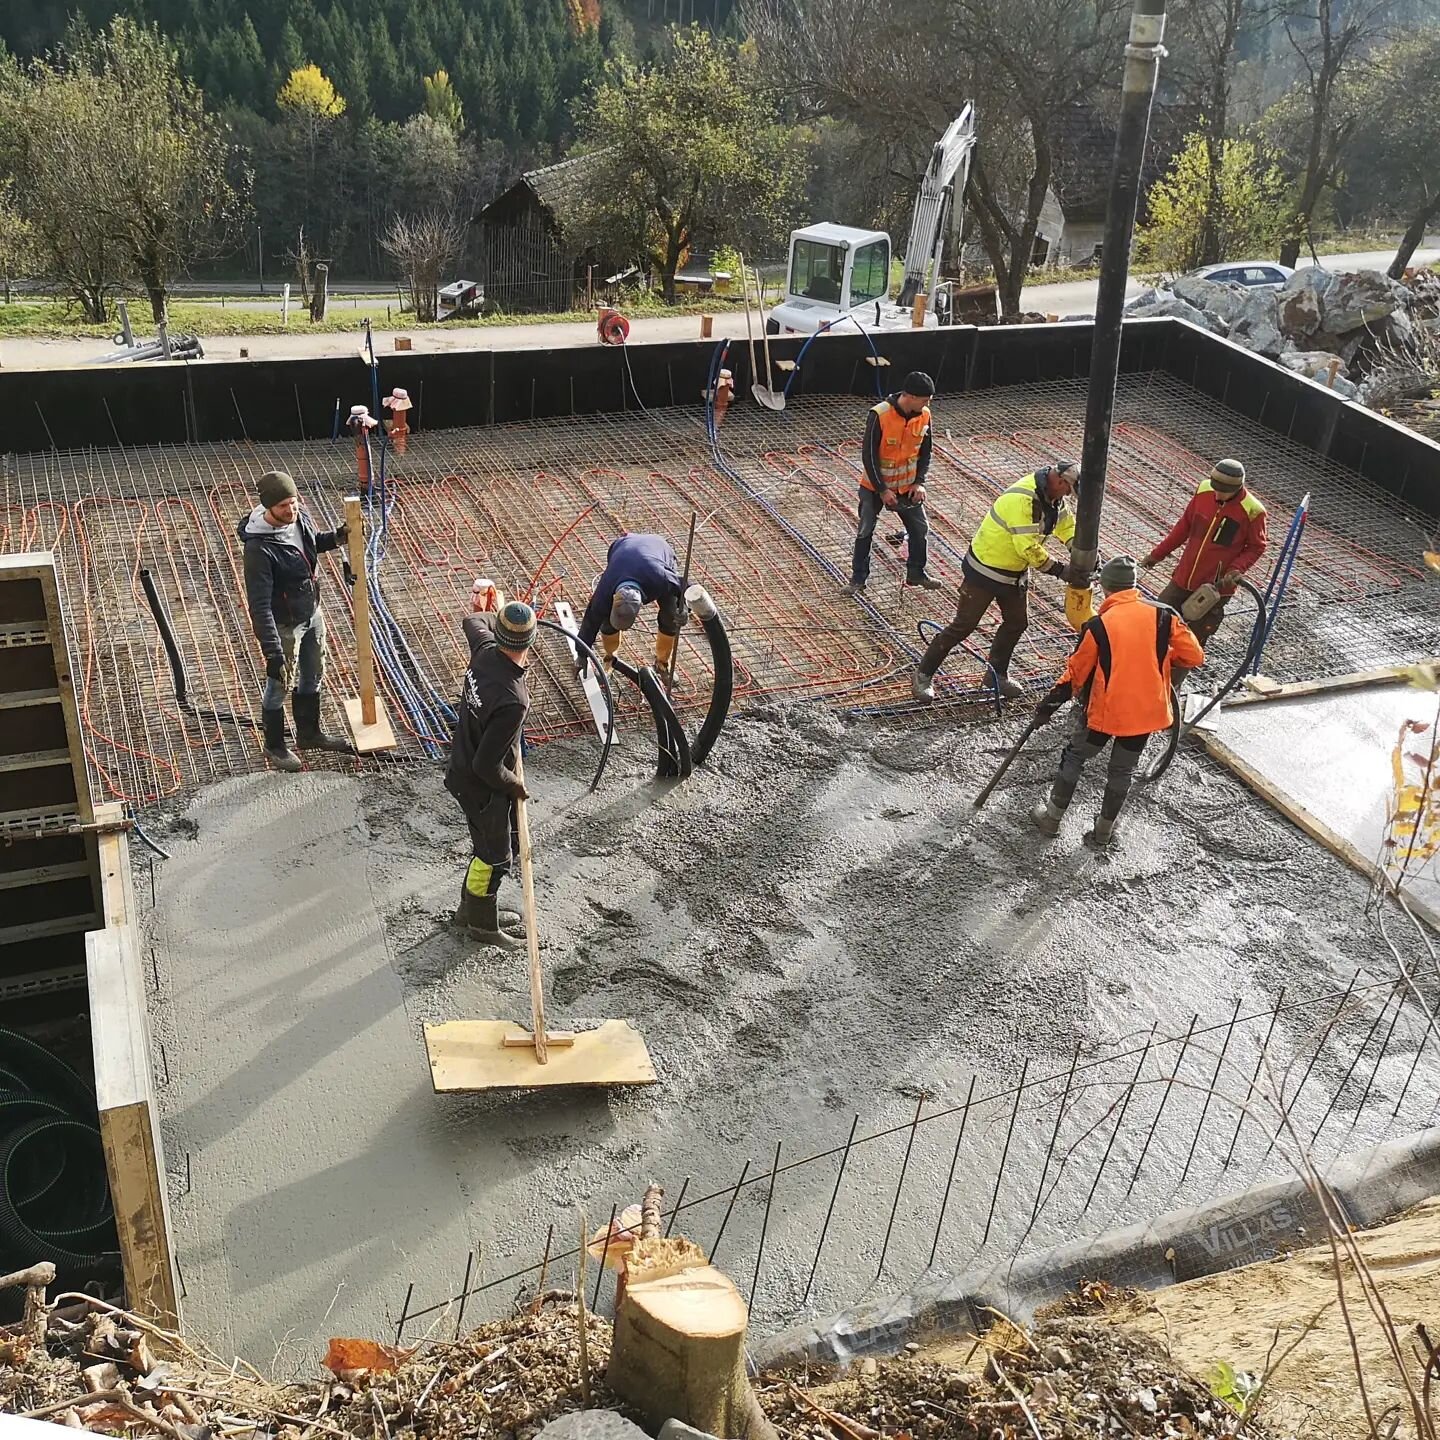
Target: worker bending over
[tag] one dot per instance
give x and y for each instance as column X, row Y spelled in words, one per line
column 639, row 570
column 494, row 702
column 897, row 457
column 1223, row 532
column 1009, row 544
column 1120, row 675
column 282, row 594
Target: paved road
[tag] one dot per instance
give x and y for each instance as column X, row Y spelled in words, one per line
column 1076, row 297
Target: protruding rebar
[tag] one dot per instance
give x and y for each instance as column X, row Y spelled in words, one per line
column 899, row 1186
column 1004, row 1153
column 830, row 1209
column 950, row 1177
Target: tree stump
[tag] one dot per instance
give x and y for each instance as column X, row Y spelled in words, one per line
column 679, row 1349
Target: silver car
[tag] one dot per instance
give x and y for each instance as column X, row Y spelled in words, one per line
column 1248, row 274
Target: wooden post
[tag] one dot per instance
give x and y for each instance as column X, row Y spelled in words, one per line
column 707, row 326
column 532, row 934
column 369, row 725
column 917, row 314
column 364, row 649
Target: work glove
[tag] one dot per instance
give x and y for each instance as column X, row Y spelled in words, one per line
column 1229, row 580
column 275, row 668
column 1057, row 568
column 342, row 532
column 684, row 613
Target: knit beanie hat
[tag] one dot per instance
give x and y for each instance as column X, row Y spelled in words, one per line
column 273, row 487
column 515, row 626
column 1119, row 573
column 917, row 382
column 625, row 605
column 1228, row 475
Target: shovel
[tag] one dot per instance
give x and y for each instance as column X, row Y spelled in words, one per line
column 770, row 399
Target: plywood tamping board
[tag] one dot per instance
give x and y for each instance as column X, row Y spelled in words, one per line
column 472, row 1055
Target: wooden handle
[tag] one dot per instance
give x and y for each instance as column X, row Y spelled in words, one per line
column 364, row 650
column 532, row 934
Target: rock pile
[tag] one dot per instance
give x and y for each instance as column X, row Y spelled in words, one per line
column 1346, row 330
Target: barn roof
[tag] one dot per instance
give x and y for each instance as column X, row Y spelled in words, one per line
column 1085, row 145
column 553, row 189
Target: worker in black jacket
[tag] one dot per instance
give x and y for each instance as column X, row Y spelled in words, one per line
column 282, row 593
column 494, row 702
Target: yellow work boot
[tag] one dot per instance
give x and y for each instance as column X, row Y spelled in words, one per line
column 664, row 651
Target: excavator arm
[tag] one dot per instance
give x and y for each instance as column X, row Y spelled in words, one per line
column 945, row 178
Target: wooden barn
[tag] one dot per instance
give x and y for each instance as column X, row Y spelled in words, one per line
column 524, row 257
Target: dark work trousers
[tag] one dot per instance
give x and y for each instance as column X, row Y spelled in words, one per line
column 1084, row 745
column 976, row 597
column 917, row 527
column 1202, row 629
column 494, row 838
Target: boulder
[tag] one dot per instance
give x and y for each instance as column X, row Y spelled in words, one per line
column 1315, row 365
column 1222, row 301
column 592, row 1425
column 1360, row 298
column 1301, row 302
column 1258, row 326
column 1180, row 309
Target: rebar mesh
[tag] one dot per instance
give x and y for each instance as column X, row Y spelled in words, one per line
column 535, row 505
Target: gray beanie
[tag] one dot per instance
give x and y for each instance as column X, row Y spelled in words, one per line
column 515, row 626
column 1119, row 573
column 273, row 487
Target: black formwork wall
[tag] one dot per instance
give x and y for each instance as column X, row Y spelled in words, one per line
column 179, row 403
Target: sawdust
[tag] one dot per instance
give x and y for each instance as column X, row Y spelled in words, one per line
column 1248, row 1318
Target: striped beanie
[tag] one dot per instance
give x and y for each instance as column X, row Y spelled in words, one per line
column 1227, row 475
column 515, row 626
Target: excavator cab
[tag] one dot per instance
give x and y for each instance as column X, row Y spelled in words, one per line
column 833, row 269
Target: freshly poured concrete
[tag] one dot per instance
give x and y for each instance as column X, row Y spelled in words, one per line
column 816, row 926
column 1333, row 755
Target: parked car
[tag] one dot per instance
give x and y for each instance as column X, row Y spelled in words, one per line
column 1248, row 274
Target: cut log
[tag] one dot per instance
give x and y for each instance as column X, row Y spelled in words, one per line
column 679, row 1353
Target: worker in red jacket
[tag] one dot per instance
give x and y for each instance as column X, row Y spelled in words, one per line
column 1223, row 532
column 1119, row 675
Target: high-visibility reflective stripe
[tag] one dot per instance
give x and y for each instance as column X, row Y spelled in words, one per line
column 1001, row 577
column 477, row 877
column 1004, row 524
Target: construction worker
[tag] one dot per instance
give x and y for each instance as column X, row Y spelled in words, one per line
column 1223, row 532
column 494, row 701
column 282, row 593
column 1009, row 544
column 1119, row 675
column 897, row 457
column 639, row 570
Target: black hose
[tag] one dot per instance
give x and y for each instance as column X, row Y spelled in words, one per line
column 722, row 692
column 1178, row 728
column 674, row 757
column 599, row 669
column 177, row 666
column 54, row 1191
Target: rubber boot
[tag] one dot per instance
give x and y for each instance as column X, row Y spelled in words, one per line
column 855, row 587
column 482, row 914
column 1008, row 688
column 510, row 918
column 922, row 686
column 308, row 734
column 664, row 655
column 277, row 752
column 923, row 581
column 1001, row 649
column 1102, row 836
column 1047, row 816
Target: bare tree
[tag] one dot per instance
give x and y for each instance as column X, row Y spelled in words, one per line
column 1024, row 66
column 1330, row 40
column 1203, row 37
column 423, row 246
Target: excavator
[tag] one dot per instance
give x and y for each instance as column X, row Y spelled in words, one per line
column 838, row 271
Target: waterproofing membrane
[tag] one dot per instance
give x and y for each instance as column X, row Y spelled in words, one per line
column 1259, row 1224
